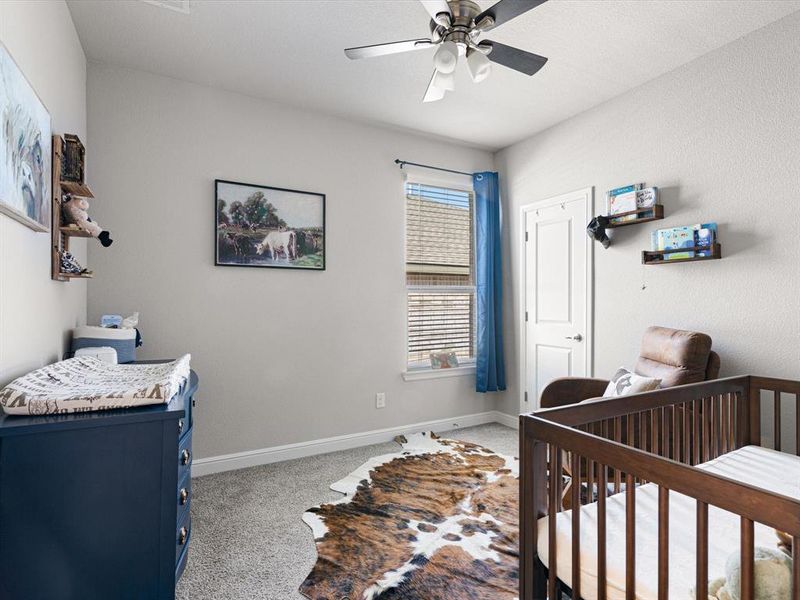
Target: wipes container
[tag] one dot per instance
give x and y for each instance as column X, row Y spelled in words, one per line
column 92, row 336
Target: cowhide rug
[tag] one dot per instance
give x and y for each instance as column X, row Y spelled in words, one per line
column 437, row 521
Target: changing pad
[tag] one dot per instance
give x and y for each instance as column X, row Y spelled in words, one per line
column 86, row 384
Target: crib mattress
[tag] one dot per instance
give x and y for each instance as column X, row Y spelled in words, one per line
column 768, row 469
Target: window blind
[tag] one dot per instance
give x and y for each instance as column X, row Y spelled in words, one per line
column 439, row 272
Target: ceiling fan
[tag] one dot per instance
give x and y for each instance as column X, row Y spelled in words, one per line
column 456, row 26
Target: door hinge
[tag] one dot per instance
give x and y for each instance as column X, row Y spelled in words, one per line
column 526, row 316
column 526, row 236
column 526, row 396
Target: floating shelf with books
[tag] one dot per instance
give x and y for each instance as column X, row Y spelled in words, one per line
column 659, row 257
column 651, row 213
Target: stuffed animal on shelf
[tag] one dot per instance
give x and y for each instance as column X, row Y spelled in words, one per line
column 70, row 265
column 74, row 211
column 773, row 577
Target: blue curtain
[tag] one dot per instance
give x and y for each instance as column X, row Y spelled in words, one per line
column 490, row 363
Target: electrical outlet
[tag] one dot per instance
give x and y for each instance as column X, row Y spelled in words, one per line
column 380, row 400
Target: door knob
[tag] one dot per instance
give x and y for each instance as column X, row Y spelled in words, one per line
column 578, row 337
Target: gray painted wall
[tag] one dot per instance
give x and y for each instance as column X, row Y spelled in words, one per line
column 719, row 137
column 283, row 356
column 37, row 313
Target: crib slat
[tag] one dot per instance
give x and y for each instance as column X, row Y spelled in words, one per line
column 552, row 510
column 732, row 422
column 617, row 438
column 663, row 543
column 676, row 437
column 797, row 435
column 602, row 486
column 576, row 525
column 696, row 416
column 653, row 432
column 777, row 431
column 687, row 427
column 701, row 583
column 734, row 413
column 796, row 568
column 743, row 412
column 706, row 428
column 714, row 432
column 724, row 423
column 748, row 565
column 590, row 467
column 630, row 538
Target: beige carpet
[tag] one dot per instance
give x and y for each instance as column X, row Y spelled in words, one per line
column 248, row 538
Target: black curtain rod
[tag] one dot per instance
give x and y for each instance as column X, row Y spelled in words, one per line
column 403, row 163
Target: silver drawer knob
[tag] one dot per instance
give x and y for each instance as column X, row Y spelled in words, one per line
column 180, row 426
column 184, row 496
column 184, row 533
column 185, row 457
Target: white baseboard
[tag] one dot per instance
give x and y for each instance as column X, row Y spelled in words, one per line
column 507, row 419
column 252, row 458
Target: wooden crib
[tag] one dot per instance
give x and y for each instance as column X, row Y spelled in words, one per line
column 612, row 446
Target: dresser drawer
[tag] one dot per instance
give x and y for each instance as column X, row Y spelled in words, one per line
column 184, row 496
column 182, row 535
column 185, row 455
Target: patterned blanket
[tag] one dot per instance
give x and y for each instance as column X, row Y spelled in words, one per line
column 86, row 384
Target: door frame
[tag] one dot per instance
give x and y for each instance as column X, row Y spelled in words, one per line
column 587, row 194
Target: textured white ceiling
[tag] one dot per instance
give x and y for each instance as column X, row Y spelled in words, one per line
column 291, row 51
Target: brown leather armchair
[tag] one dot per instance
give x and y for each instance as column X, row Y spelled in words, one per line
column 676, row 357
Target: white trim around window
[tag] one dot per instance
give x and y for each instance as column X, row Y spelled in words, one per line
column 463, row 370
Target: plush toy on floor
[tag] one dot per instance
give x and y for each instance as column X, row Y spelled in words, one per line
column 773, row 577
column 74, row 211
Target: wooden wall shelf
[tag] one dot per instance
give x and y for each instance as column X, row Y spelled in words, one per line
column 77, row 189
column 657, row 213
column 60, row 234
column 658, row 257
column 74, row 232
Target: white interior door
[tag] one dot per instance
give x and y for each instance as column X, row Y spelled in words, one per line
column 557, row 293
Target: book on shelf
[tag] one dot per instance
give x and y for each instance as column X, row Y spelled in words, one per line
column 698, row 237
column 705, row 236
column 646, row 198
column 622, row 199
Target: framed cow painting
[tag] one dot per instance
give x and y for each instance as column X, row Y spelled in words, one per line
column 263, row 226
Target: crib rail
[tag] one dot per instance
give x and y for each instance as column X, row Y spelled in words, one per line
column 654, row 437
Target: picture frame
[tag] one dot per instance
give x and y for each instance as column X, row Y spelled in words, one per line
column 26, row 174
column 268, row 227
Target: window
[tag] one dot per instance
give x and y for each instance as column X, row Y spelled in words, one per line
column 439, row 273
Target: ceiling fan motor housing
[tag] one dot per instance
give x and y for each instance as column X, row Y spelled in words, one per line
column 461, row 23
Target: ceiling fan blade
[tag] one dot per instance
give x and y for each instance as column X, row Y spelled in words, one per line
column 514, row 58
column 505, row 10
column 390, row 48
column 433, row 93
column 435, row 7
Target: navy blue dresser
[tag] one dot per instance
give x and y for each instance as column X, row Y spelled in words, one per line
column 95, row 506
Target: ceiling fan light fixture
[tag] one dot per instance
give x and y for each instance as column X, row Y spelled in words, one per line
column 445, row 81
column 479, row 66
column 446, row 57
